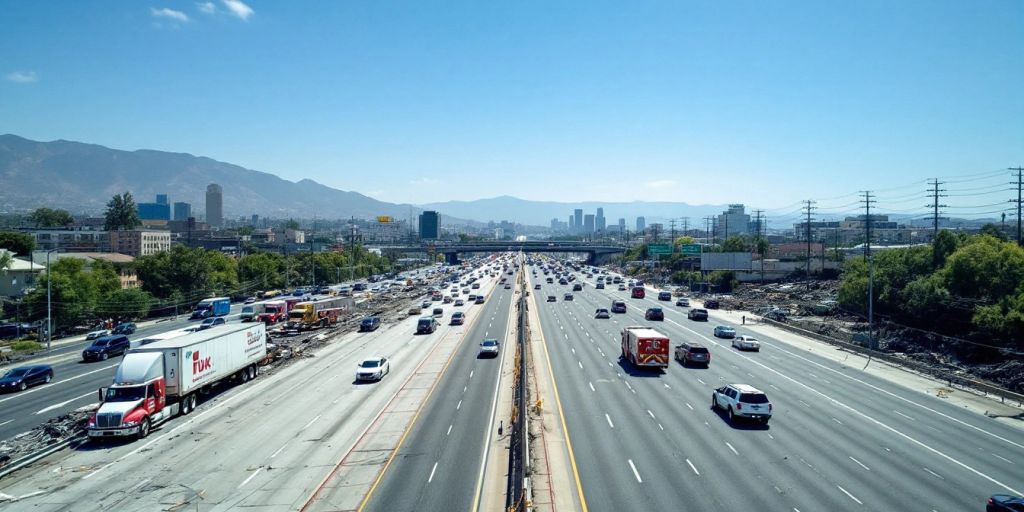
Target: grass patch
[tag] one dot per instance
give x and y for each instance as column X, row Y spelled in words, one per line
column 26, row 346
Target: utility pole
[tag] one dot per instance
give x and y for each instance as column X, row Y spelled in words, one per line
column 868, row 220
column 1020, row 200
column 707, row 230
column 935, row 192
column 868, row 201
column 672, row 224
column 686, row 225
column 808, row 209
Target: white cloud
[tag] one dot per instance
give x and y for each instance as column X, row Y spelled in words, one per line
column 656, row 184
column 206, row 7
column 170, row 14
column 238, row 8
column 22, row 77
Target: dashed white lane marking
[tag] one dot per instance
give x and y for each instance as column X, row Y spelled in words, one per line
column 852, row 497
column 934, row 473
column 837, row 421
column 431, row 477
column 861, row 464
column 652, row 414
column 609, row 418
column 994, row 455
column 591, row 386
column 904, row 415
column 694, row 468
column 312, row 421
column 279, row 450
column 253, row 475
column 580, row 363
column 731, row 448
column 690, row 406
column 459, row 405
column 635, row 473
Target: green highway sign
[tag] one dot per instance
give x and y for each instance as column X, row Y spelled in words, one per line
column 659, row 249
column 690, row 249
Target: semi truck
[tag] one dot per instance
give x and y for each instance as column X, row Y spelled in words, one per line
column 217, row 306
column 645, row 347
column 158, row 381
column 318, row 313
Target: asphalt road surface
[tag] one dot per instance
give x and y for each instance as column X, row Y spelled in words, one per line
column 439, row 465
column 839, row 439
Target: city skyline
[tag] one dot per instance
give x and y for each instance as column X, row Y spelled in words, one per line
column 902, row 103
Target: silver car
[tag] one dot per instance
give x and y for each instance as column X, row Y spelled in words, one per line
column 744, row 342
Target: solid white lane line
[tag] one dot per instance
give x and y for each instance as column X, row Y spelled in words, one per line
column 694, row 468
column 609, row 418
column 852, row 497
column 62, row 404
column 591, row 386
column 859, row 463
column 457, row 406
column 253, row 475
column 431, row 477
column 690, row 406
column 635, row 473
column 904, row 415
column 731, row 448
column 449, row 430
column 312, row 421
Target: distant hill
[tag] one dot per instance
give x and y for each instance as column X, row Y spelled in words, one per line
column 82, row 177
column 540, row 213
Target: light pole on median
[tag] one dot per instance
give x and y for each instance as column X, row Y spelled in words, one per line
column 49, row 306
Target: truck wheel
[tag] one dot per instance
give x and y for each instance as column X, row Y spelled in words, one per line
column 251, row 371
column 186, row 405
column 244, row 375
column 144, row 428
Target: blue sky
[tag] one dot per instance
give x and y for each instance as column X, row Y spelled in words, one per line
column 765, row 103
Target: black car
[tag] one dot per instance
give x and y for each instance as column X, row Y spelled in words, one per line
column 19, row 379
column 665, row 296
column 370, row 323
column 1005, row 503
column 711, row 304
column 568, row 296
column 103, row 348
column 654, row 314
column 125, row 328
column 426, row 325
column 698, row 314
column 618, row 306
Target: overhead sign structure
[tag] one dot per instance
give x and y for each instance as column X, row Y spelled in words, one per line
column 690, row 249
column 659, row 249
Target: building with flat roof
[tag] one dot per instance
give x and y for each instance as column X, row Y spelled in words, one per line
column 214, row 205
column 182, row 211
column 429, row 225
column 140, row 242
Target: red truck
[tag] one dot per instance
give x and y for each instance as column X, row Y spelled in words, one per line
column 645, row 347
column 275, row 311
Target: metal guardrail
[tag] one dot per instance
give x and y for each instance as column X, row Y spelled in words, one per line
column 953, row 380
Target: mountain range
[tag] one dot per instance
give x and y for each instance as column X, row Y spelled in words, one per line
column 82, row 177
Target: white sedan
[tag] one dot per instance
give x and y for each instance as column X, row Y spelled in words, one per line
column 744, row 342
column 489, row 347
column 373, row 368
column 95, row 335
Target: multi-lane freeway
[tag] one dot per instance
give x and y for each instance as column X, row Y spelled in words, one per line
column 839, row 439
column 75, row 381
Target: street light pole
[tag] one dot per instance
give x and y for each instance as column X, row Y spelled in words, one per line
column 49, row 303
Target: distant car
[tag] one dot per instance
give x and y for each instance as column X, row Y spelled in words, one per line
column 370, row 323
column 683, row 302
column 711, row 304
column 622, row 287
column 250, row 300
column 479, row 299
column 567, row 296
column 742, row 401
column 599, row 286
column 476, row 286
column 125, row 328
column 105, row 347
column 426, row 325
column 601, row 313
column 458, row 318
column 20, row 378
column 95, row 335
column 693, row 352
column 552, row 298
column 724, row 331
column 666, row 296
column 447, row 299
column 459, row 303
column 210, row 322
column 654, row 314
column 1005, row 503
column 438, row 312
column 508, row 286
column 373, row 368
column 618, row 306
column 698, row 314
column 536, row 286
column 426, row 304
column 489, row 347
column 743, row 342
column 578, row 287
column 415, row 311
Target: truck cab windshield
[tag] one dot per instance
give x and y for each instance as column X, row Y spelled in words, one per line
column 126, row 394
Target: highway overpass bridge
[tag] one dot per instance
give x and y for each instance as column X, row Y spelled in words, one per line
column 595, row 252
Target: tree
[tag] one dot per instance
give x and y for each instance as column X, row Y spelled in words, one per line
column 121, row 213
column 945, row 243
column 246, row 230
column 21, row 244
column 993, row 230
column 291, row 224
column 129, row 304
column 49, row 217
column 736, row 244
column 685, row 240
column 264, row 270
column 5, row 261
column 76, row 290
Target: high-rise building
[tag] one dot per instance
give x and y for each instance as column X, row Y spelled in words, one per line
column 254, row 220
column 155, row 211
column 214, row 205
column 599, row 222
column 622, row 224
column 733, row 222
column 429, row 222
column 577, row 214
column 182, row 211
column 588, row 223
column 572, row 223
column 161, row 199
column 641, row 224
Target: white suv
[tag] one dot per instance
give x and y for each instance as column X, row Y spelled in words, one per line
column 742, row 401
